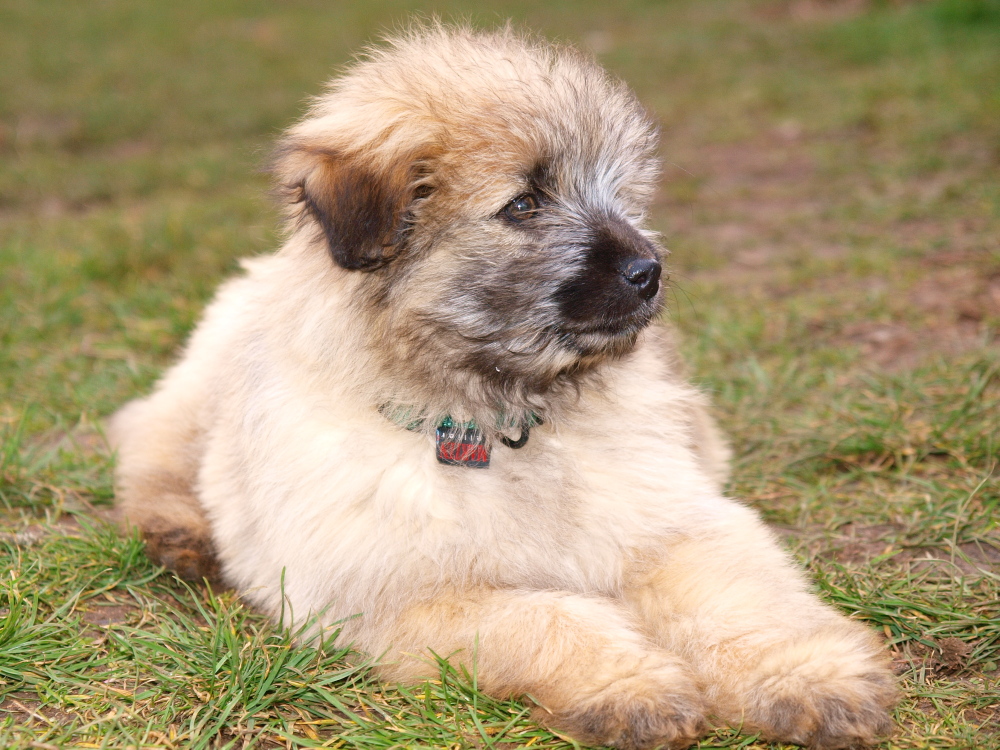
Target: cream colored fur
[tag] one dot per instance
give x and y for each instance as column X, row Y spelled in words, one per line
column 599, row 569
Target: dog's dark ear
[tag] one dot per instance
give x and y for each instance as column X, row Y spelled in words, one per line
column 362, row 210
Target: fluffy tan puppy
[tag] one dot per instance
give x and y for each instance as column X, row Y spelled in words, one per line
column 442, row 406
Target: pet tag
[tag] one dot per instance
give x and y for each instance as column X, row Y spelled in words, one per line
column 462, row 444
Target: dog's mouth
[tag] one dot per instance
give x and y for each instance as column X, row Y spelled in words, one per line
column 611, row 329
column 608, row 335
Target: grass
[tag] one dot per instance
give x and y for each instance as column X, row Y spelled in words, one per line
column 830, row 198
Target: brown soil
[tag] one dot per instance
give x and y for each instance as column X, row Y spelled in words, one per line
column 757, row 208
column 25, row 711
column 106, row 613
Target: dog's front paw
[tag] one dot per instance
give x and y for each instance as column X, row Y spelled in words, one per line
column 655, row 708
column 824, row 694
column 187, row 553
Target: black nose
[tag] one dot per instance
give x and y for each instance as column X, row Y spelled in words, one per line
column 644, row 275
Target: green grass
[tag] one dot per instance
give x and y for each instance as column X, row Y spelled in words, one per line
column 831, row 201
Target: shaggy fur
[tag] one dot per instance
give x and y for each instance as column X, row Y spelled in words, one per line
column 466, row 239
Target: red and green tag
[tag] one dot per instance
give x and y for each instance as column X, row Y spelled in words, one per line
column 462, row 444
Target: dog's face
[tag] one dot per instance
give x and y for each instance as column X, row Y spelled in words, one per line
column 491, row 212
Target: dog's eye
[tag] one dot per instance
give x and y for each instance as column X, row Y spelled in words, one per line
column 521, row 208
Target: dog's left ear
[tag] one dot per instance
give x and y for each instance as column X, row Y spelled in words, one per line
column 361, row 208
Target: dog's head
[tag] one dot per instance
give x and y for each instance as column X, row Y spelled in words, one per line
column 488, row 193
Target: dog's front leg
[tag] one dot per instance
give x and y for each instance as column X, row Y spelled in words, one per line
column 580, row 658
column 773, row 657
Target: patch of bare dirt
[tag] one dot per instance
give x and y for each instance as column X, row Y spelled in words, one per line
column 887, row 344
column 969, row 559
column 958, row 294
column 107, row 613
column 744, row 199
column 952, row 655
column 760, row 209
column 133, row 149
column 898, row 346
column 819, row 11
column 40, row 131
column 858, row 543
column 812, row 10
column 32, row 534
column 28, row 537
column 946, row 657
column 86, row 438
column 25, row 711
column 956, row 307
column 744, row 194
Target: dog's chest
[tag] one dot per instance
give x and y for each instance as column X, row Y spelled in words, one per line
column 556, row 512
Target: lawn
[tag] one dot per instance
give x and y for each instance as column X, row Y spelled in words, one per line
column 831, row 198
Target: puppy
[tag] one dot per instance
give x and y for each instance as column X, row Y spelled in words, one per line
column 444, row 406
